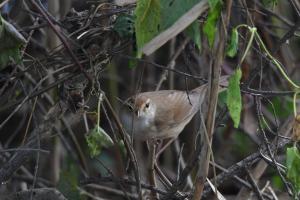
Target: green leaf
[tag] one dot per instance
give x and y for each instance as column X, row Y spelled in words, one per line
column 172, row 10
column 210, row 27
column 96, row 140
column 8, row 55
column 277, row 182
column 155, row 16
column 193, row 32
column 293, row 168
column 68, row 181
column 213, row 3
column 233, row 45
column 147, row 21
column 234, row 98
column 11, row 41
column 270, row 3
column 124, row 25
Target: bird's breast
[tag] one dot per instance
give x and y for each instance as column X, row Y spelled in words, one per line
column 143, row 128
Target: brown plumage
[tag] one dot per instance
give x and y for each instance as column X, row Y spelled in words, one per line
column 164, row 114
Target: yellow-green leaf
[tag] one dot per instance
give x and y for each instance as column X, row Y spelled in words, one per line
column 210, row 26
column 155, row 16
column 233, row 45
column 293, row 168
column 234, row 98
column 213, row 3
column 147, row 21
column 96, row 140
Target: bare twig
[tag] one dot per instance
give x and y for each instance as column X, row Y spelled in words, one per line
column 239, row 168
column 128, row 147
column 151, row 167
column 16, row 161
column 287, row 35
column 40, row 193
column 3, row 3
column 31, row 94
column 60, row 36
column 254, row 185
column 111, row 190
column 212, row 99
column 262, row 165
column 171, row 63
column 37, row 162
column 123, row 181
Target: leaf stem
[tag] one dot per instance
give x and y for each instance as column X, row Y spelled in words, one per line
column 253, row 31
column 294, row 103
column 100, row 99
column 277, row 63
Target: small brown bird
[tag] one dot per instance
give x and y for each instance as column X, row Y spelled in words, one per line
column 164, row 114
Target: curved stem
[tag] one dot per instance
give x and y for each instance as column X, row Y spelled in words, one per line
column 277, row 63
column 253, row 31
column 294, row 103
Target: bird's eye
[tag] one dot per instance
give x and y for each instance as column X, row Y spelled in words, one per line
column 147, row 105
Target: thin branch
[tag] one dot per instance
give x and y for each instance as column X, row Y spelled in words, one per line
column 254, row 185
column 238, row 168
column 60, row 36
column 171, row 63
column 128, row 146
column 212, row 94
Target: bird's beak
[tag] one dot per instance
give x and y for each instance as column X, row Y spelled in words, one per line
column 137, row 113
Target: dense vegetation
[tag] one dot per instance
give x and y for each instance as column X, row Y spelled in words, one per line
column 68, row 67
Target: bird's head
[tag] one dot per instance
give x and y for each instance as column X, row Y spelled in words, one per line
column 143, row 107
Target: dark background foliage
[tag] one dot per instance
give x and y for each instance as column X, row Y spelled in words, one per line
column 50, row 97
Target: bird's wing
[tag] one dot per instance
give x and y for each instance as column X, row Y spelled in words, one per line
column 176, row 107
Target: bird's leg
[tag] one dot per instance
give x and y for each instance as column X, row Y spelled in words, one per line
column 164, row 179
column 163, row 148
column 152, row 148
